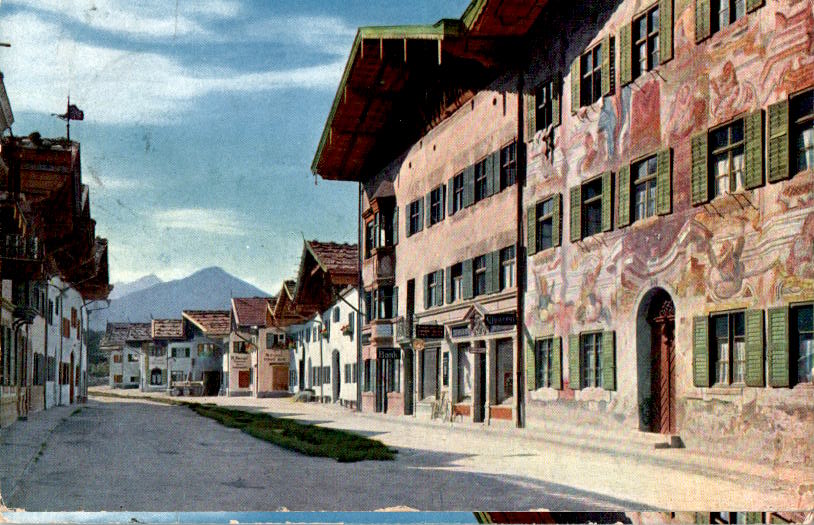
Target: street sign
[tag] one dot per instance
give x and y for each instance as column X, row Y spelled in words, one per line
column 429, row 331
column 508, row 318
column 388, row 353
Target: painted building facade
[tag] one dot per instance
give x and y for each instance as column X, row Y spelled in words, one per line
column 676, row 296
column 663, row 220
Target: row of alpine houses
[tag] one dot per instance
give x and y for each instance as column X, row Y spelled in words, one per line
column 257, row 348
column 609, row 222
column 52, row 269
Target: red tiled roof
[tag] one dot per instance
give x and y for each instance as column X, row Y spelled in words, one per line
column 212, row 322
column 167, row 328
column 334, row 257
column 250, row 311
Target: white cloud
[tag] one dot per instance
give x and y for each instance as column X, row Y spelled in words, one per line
column 116, row 184
column 205, row 220
column 124, row 87
column 142, row 20
column 324, row 33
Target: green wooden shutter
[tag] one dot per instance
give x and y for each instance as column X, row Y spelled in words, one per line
column 469, row 186
column 700, row 169
column 163, row 377
column 496, row 171
column 754, row 347
column 428, row 209
column 395, row 301
column 702, row 19
column 530, row 101
column 439, row 278
column 449, row 284
column 421, row 214
column 450, row 198
column 467, row 283
column 665, row 30
column 607, row 201
column 664, row 185
column 624, row 196
column 626, row 54
column 575, row 83
column 531, row 368
column 556, row 219
column 778, row 141
column 751, row 5
column 778, row 339
column 574, row 364
column 575, row 211
column 395, row 225
column 531, row 229
column 753, row 149
column 556, row 363
column 556, row 100
column 490, row 271
column 443, row 204
column 496, row 269
column 700, row 351
column 754, row 517
column 608, row 361
column 607, row 66
column 489, row 176
column 407, row 221
column 427, row 291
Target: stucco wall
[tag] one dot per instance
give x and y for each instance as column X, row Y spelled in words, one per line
column 750, row 250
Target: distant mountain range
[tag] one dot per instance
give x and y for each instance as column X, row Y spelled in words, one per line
column 150, row 298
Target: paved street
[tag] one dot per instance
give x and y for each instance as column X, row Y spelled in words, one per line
column 137, row 455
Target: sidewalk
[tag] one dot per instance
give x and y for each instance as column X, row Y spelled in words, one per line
column 22, row 442
column 615, row 466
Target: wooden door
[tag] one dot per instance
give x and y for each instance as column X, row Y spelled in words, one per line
column 662, row 379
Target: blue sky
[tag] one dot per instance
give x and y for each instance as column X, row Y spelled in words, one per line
column 201, row 120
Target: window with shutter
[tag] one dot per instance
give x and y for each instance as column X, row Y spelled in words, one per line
column 801, row 355
column 801, row 113
column 507, row 165
column 467, row 279
column 469, row 186
column 608, row 66
column 726, row 157
column 395, row 225
column 439, row 293
column 556, row 364
column 531, row 229
column 607, row 201
column 482, row 178
column 575, row 214
column 778, row 168
column 700, row 169
column 665, row 30
column 608, row 361
column 645, row 38
column 753, row 161
column 778, row 347
column 664, row 184
column 623, row 179
column 546, row 215
column 754, row 348
column 574, row 363
column 450, row 297
column 556, row 218
column 420, row 213
column 702, row 19
column 625, row 54
column 700, row 351
column 427, row 296
column 530, row 103
column 576, row 82
column 593, row 207
column 531, row 369
column 505, row 261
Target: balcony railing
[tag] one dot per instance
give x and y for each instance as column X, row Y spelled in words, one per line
column 20, row 247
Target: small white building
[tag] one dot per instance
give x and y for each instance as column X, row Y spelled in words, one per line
column 192, row 355
column 124, row 344
column 207, row 334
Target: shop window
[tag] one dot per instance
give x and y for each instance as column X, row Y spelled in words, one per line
column 644, row 188
column 508, row 165
column 507, row 260
column 481, row 180
column 591, row 348
column 457, row 193
column 436, row 199
column 479, row 275
column 729, row 348
column 802, row 342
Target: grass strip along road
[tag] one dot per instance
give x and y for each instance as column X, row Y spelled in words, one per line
column 311, row 440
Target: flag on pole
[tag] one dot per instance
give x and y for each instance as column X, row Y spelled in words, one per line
column 73, row 113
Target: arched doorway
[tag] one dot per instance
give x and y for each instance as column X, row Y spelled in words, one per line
column 335, row 377
column 155, row 376
column 655, row 345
